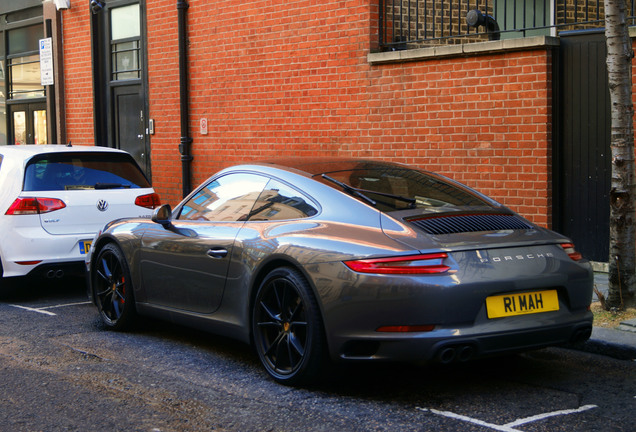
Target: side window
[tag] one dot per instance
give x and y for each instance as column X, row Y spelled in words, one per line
column 228, row 198
column 279, row 202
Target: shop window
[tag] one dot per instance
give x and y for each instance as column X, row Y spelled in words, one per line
column 3, row 96
column 23, row 63
column 39, row 127
column 19, row 127
column 22, row 96
column 25, row 78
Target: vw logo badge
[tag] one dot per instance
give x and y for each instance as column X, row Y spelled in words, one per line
column 102, row 205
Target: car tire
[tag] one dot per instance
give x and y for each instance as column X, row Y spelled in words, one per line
column 287, row 328
column 113, row 289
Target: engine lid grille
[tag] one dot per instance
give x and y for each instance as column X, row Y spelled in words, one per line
column 454, row 224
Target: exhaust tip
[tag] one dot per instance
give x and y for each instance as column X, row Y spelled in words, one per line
column 446, row 355
column 456, row 353
column 582, row 335
column 54, row 274
column 465, row 353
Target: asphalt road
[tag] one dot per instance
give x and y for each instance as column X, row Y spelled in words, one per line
column 61, row 371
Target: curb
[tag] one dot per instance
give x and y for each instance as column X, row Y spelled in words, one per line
column 617, row 344
column 629, row 326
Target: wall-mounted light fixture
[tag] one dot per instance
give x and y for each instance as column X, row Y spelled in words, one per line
column 62, row 4
column 96, row 6
column 474, row 18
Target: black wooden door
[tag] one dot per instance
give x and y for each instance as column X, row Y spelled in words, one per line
column 129, row 131
column 121, row 104
column 582, row 152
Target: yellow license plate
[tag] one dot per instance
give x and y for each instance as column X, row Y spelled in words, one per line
column 85, row 246
column 522, row 303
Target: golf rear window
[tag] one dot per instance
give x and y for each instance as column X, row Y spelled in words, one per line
column 78, row 171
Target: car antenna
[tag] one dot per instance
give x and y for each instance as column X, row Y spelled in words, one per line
column 69, row 144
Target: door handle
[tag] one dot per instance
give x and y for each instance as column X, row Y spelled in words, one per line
column 217, row 253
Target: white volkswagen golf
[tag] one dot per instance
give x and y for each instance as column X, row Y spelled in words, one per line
column 55, row 198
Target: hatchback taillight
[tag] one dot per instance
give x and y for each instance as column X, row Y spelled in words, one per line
column 151, row 201
column 571, row 251
column 411, row 264
column 28, row 206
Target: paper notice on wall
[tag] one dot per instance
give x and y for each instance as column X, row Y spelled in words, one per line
column 46, row 62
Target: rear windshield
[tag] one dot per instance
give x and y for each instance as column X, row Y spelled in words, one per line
column 392, row 187
column 77, row 171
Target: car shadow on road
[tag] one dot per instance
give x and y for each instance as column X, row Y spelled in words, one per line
column 384, row 380
column 357, row 379
column 30, row 290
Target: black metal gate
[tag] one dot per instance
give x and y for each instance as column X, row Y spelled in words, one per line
column 582, row 166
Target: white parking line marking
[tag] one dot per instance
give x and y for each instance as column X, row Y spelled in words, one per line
column 469, row 420
column 33, row 310
column 551, row 414
column 67, row 304
column 43, row 310
column 509, row 427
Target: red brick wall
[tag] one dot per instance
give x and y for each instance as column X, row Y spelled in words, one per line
column 293, row 78
column 78, row 75
column 163, row 89
column 484, row 121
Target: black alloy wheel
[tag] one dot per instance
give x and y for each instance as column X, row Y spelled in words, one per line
column 112, row 288
column 287, row 328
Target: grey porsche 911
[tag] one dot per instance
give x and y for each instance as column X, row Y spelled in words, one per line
column 321, row 260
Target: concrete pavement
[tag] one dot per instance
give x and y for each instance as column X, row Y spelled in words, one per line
column 619, row 343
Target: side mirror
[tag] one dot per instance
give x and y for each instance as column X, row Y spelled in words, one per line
column 163, row 215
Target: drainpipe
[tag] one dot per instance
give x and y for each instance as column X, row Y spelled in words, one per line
column 186, row 140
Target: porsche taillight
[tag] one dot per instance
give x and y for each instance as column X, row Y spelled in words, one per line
column 31, row 205
column 411, row 264
column 571, row 251
column 151, row 201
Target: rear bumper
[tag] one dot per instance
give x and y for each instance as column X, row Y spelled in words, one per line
column 367, row 317
column 45, row 252
column 58, row 270
column 447, row 346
